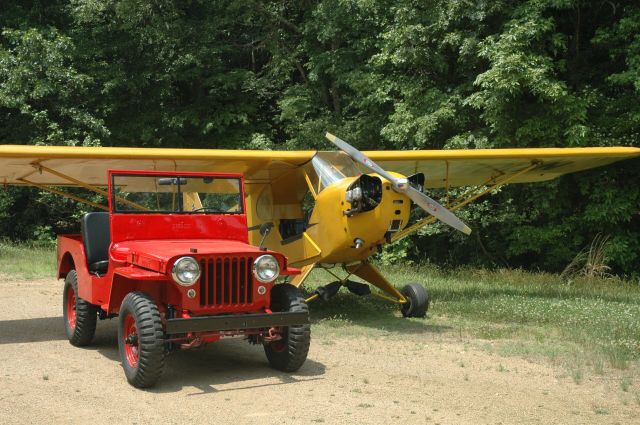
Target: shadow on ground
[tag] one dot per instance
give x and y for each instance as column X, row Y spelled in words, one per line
column 346, row 309
column 32, row 330
column 229, row 361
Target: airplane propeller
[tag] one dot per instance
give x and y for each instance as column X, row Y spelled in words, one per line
column 402, row 185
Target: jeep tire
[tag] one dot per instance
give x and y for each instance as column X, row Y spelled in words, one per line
column 289, row 353
column 80, row 317
column 140, row 340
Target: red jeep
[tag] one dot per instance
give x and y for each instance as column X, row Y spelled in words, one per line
column 171, row 258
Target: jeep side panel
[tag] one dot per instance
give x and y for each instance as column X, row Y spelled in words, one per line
column 71, row 252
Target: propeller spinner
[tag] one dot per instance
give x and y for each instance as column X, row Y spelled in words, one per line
column 402, row 185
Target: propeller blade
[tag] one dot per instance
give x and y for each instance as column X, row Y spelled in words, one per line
column 437, row 210
column 356, row 155
column 403, row 186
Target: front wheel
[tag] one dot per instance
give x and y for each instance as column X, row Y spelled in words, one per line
column 80, row 317
column 289, row 353
column 141, row 340
column 417, row 301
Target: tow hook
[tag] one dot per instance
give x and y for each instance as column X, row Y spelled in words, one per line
column 274, row 335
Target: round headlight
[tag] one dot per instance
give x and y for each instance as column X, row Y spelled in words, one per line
column 186, row 271
column 266, row 268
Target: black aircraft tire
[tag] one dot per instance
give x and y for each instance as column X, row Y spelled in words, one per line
column 80, row 317
column 141, row 340
column 418, row 301
column 289, row 354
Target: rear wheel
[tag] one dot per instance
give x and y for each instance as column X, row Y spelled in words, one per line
column 289, row 353
column 80, row 317
column 141, row 340
column 417, row 301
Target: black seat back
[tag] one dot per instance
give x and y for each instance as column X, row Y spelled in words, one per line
column 96, row 237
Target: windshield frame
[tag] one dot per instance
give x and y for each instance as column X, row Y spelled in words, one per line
column 112, row 174
column 329, row 167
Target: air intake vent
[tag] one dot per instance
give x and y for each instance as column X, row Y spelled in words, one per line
column 226, row 281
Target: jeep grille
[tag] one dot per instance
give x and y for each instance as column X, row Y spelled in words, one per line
column 226, row 281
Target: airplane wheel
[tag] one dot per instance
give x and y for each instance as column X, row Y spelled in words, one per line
column 418, row 301
column 289, row 353
column 80, row 317
column 140, row 340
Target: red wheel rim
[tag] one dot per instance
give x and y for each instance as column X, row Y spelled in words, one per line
column 71, row 308
column 131, row 341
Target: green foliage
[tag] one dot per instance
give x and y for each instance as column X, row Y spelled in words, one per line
column 402, row 74
column 43, row 91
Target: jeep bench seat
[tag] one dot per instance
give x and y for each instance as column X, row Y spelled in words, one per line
column 96, row 239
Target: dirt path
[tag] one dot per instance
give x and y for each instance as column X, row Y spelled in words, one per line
column 422, row 380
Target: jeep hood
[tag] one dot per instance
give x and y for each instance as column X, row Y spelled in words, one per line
column 162, row 251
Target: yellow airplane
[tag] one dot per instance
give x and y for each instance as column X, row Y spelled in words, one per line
column 322, row 209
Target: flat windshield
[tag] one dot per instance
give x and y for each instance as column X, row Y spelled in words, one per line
column 331, row 167
column 134, row 193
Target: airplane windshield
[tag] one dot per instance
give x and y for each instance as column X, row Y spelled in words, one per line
column 331, row 167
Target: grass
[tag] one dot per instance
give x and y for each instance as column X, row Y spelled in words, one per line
column 26, row 261
column 625, row 384
column 577, row 375
column 596, row 320
column 598, row 365
column 601, row 410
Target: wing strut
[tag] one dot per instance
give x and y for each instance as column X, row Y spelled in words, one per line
column 467, row 198
column 65, row 194
column 90, row 187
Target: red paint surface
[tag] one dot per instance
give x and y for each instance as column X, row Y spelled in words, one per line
column 139, row 227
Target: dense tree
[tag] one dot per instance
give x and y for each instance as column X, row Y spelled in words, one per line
column 402, row 74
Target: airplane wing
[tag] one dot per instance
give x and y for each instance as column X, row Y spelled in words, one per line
column 62, row 165
column 470, row 167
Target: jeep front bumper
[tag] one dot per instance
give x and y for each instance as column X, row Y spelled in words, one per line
column 235, row 321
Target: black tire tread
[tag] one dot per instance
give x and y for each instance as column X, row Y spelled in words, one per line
column 151, row 337
column 86, row 314
column 285, row 297
column 418, row 300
